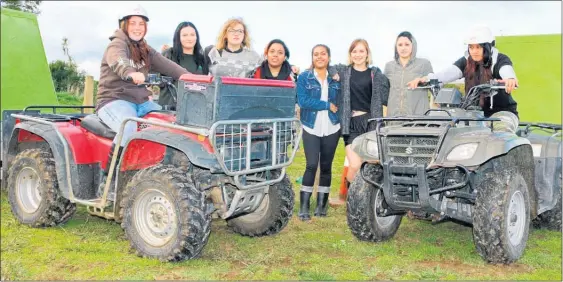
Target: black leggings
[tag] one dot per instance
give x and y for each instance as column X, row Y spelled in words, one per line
column 319, row 150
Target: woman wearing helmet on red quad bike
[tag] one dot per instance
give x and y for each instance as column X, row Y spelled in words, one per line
column 126, row 62
column 481, row 63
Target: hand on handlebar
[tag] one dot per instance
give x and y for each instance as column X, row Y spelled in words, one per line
column 509, row 84
column 414, row 83
column 137, row 77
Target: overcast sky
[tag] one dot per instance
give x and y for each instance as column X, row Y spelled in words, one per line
column 438, row 26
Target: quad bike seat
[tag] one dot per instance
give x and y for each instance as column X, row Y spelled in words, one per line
column 95, row 125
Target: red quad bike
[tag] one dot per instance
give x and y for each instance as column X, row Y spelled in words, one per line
column 222, row 153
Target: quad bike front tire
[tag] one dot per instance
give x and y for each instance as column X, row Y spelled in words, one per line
column 164, row 215
column 361, row 204
column 271, row 216
column 501, row 215
column 33, row 190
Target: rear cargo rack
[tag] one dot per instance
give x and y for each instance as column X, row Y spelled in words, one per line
column 234, row 143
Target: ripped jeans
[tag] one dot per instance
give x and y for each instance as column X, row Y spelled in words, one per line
column 115, row 112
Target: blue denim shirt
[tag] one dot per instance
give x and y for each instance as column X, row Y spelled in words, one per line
column 309, row 98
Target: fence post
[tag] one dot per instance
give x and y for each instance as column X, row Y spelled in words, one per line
column 88, row 93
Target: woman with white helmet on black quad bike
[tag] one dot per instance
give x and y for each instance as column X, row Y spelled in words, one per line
column 126, row 63
column 481, row 63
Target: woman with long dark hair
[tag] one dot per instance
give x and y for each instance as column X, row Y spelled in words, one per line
column 317, row 96
column 276, row 65
column 187, row 52
column 481, row 63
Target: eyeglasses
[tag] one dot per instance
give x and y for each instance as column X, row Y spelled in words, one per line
column 240, row 31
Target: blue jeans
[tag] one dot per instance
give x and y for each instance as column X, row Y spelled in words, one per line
column 115, row 112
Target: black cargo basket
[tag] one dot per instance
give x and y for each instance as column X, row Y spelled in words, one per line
column 204, row 100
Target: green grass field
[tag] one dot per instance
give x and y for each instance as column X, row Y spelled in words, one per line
column 88, row 247
column 537, row 62
column 324, row 249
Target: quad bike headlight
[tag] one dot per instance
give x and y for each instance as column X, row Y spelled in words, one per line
column 536, row 148
column 372, row 149
column 462, row 152
column 365, row 146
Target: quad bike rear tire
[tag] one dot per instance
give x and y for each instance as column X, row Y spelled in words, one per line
column 33, row 190
column 164, row 216
column 501, row 215
column 361, row 204
column 271, row 216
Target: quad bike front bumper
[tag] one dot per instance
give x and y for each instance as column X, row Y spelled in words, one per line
column 413, row 187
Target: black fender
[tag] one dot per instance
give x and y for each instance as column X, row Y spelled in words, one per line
column 50, row 135
column 194, row 150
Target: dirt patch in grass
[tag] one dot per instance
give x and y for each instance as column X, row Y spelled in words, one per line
column 469, row 270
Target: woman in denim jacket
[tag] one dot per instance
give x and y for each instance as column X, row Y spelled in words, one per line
column 317, row 97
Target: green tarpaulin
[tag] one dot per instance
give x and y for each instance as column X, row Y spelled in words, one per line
column 26, row 79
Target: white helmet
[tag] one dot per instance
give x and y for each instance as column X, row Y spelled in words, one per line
column 479, row 34
column 137, row 11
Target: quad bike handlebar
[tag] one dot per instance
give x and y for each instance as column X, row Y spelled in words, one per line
column 161, row 81
column 153, row 80
column 489, row 89
column 482, row 90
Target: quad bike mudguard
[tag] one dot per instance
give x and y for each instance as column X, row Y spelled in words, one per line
column 196, row 152
column 547, row 159
column 64, row 163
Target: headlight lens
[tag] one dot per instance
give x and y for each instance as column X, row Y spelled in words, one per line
column 463, row 152
column 372, row 148
column 536, row 148
column 365, row 148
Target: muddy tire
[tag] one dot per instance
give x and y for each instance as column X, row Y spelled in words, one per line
column 550, row 219
column 271, row 216
column 501, row 216
column 164, row 216
column 33, row 190
column 363, row 198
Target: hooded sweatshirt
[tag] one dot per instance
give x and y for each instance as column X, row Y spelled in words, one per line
column 403, row 101
column 117, row 65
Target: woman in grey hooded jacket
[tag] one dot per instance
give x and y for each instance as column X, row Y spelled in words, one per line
column 404, row 68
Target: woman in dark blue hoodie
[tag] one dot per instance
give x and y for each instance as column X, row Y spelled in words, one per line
column 317, row 95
